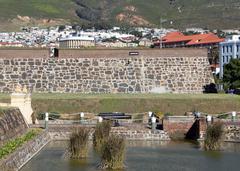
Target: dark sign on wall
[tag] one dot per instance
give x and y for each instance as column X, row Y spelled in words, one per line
column 133, row 53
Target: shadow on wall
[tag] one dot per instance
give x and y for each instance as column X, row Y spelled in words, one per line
column 193, row 132
column 210, row 88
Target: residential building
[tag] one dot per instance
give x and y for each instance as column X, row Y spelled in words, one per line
column 229, row 49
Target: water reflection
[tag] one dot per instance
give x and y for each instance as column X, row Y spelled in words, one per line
column 143, row 156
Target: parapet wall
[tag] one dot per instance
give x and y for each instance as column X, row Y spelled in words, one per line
column 156, row 71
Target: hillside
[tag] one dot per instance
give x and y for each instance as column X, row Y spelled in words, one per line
column 174, row 13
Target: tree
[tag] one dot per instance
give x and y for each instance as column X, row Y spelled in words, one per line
column 231, row 75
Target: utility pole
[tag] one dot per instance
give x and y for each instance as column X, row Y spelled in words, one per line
column 160, row 45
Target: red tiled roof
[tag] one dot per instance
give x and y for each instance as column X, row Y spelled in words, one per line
column 9, row 43
column 197, row 39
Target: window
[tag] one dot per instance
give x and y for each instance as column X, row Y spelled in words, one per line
column 237, row 56
column 237, row 48
column 223, row 59
column 230, row 48
column 227, row 48
column 227, row 59
column 223, row 49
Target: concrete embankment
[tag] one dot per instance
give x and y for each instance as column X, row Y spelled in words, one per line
column 22, row 155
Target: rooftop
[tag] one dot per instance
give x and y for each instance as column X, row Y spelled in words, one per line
column 196, row 39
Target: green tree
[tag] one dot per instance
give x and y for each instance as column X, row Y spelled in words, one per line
column 231, row 75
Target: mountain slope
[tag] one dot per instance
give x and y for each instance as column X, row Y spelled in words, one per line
column 174, row 13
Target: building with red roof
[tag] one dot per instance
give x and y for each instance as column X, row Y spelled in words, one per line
column 178, row 39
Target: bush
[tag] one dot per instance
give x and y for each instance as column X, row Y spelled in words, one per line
column 213, row 137
column 78, row 144
column 113, row 153
column 101, row 134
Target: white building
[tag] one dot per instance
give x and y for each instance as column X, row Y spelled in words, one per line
column 229, row 49
column 76, row 42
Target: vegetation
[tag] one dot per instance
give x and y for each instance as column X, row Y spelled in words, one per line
column 12, row 145
column 113, row 153
column 101, row 134
column 214, row 134
column 231, row 76
column 176, row 104
column 177, row 14
column 79, row 143
column 51, row 115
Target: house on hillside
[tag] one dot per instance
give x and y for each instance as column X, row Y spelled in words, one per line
column 178, row 39
column 11, row 44
column 145, row 42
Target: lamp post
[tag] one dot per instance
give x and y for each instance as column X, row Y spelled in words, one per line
column 234, row 116
column 153, row 120
column 81, row 117
column 100, row 119
column 149, row 117
column 46, row 120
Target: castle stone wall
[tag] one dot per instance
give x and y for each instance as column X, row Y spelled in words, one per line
column 111, row 74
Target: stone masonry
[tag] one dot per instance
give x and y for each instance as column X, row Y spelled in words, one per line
column 127, row 74
column 12, row 124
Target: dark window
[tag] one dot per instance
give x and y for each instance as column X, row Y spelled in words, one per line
column 223, row 49
column 223, row 59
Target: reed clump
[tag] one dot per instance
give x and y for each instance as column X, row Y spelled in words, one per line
column 213, row 138
column 113, row 153
column 78, row 146
column 101, row 134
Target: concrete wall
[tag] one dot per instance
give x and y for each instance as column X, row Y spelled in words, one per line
column 109, row 71
column 12, row 124
column 22, row 155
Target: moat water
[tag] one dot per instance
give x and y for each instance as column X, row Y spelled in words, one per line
column 143, row 156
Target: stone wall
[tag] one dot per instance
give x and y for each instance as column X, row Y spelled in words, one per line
column 158, row 72
column 178, row 126
column 12, row 124
column 63, row 133
column 232, row 132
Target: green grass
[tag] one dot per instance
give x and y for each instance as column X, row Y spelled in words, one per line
column 12, row 145
column 133, row 103
column 194, row 13
column 36, row 8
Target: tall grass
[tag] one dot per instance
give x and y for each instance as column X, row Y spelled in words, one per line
column 214, row 134
column 79, row 143
column 101, row 134
column 113, row 153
